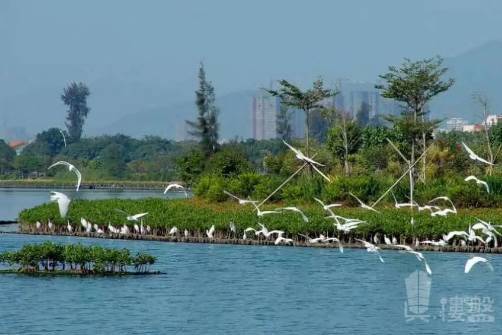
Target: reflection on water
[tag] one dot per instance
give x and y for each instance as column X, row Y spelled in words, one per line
column 14, row 200
column 222, row 289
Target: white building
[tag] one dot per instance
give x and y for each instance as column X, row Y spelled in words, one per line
column 264, row 116
column 455, row 124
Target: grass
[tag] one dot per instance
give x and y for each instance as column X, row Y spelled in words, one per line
column 197, row 215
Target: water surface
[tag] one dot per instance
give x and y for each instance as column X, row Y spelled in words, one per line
column 223, row 289
column 14, row 200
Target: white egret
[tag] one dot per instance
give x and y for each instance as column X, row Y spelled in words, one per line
column 232, row 227
column 473, row 156
column 69, row 227
column 38, row 225
column 210, row 232
column 173, row 231
column 362, row 204
column 334, row 239
column 71, row 168
column 313, row 240
column 241, row 201
column 50, row 225
column 478, row 182
column 134, row 217
column 326, row 207
column 417, row 254
column 136, row 229
column 299, row 155
column 475, row 260
column 387, row 240
column 63, row 202
column 296, row 210
column 281, row 239
column 403, row 204
column 439, row 243
column 371, row 248
column 112, row 229
column 185, row 233
column 124, row 230
column 262, row 213
column 64, row 137
column 175, row 186
column 394, row 240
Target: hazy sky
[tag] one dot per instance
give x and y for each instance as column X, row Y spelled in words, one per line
column 244, row 44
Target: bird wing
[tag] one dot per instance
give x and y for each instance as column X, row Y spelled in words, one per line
column 471, row 177
column 320, row 172
column 140, row 215
column 121, row 211
column 473, row 261
column 403, row 246
column 296, row 151
column 320, row 202
column 59, row 163
column 427, row 267
column 79, row 175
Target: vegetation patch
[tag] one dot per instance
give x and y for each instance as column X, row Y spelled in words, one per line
column 75, row 259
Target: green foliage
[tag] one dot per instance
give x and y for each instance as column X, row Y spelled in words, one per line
column 283, row 123
column 47, row 143
column 230, row 161
column 308, row 100
column 197, row 216
column 75, row 97
column 7, row 155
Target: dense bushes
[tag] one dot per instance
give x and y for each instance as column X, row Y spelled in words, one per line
column 197, row 216
column 51, row 257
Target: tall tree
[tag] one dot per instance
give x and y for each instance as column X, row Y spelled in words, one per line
column 206, row 127
column 414, row 84
column 283, row 123
column 75, row 97
column 345, row 139
column 485, row 105
column 363, row 114
column 307, row 100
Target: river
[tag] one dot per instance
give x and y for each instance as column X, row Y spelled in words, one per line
column 221, row 289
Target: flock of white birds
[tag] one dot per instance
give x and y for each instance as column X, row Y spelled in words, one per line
column 481, row 232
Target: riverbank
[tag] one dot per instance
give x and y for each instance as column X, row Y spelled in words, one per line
column 347, row 244
column 91, row 185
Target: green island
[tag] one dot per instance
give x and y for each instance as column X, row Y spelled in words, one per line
column 197, row 216
column 50, row 258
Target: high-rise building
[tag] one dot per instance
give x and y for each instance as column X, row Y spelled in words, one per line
column 264, row 116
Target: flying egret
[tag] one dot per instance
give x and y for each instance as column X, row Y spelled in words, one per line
column 296, row 210
column 241, row 201
column 175, row 186
column 261, row 213
column 210, row 232
column 64, row 137
column 473, row 261
column 371, row 248
column 473, row 156
column 478, row 182
column 326, row 207
column 334, row 239
column 63, row 202
column 266, row 233
column 454, row 233
column 281, row 239
column 403, row 204
column 429, row 208
column 134, row 217
column 439, row 243
column 313, row 240
column 299, row 155
column 71, row 168
column 417, row 254
column 362, row 204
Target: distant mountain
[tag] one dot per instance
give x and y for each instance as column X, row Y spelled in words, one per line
column 477, row 70
column 169, row 121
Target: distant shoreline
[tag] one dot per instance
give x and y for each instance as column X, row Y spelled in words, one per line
column 91, row 185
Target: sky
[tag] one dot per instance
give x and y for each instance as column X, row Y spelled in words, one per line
column 157, row 45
